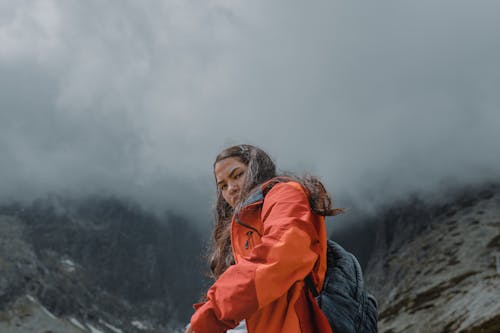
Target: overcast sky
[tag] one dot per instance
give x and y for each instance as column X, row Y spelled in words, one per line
column 378, row 98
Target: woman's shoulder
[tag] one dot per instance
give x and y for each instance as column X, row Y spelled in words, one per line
column 280, row 188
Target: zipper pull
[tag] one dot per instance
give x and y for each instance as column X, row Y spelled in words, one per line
column 249, row 234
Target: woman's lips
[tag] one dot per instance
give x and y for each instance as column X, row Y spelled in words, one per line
column 236, row 199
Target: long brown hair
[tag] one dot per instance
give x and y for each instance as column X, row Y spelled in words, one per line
column 261, row 168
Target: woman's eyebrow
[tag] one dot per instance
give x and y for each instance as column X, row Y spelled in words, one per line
column 230, row 175
column 233, row 171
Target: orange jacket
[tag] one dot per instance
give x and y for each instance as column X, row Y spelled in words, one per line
column 276, row 243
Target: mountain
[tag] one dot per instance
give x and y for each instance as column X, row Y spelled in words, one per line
column 435, row 265
column 103, row 264
column 96, row 265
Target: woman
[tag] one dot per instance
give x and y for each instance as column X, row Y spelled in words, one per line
column 269, row 236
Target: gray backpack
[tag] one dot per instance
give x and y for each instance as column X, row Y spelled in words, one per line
column 343, row 298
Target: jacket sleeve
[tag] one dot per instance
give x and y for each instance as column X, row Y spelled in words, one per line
column 284, row 256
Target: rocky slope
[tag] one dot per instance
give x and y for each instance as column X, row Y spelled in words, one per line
column 97, row 265
column 434, row 266
column 104, row 265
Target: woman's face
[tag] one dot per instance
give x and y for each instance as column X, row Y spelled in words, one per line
column 230, row 174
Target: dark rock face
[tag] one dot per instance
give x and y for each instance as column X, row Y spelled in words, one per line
column 101, row 259
column 433, row 268
column 104, row 263
column 18, row 262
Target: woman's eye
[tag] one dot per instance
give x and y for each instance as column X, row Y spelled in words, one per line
column 238, row 175
column 223, row 187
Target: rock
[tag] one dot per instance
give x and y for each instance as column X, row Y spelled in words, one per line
column 432, row 268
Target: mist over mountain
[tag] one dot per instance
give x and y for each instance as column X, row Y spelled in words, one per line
column 379, row 100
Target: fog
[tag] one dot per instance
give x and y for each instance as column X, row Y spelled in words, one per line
column 135, row 98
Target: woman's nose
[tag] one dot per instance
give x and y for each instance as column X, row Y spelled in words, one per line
column 233, row 187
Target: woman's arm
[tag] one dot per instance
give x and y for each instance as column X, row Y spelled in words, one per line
column 284, row 256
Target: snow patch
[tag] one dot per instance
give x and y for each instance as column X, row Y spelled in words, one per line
column 242, row 327
column 68, row 265
column 47, row 312
column 77, row 324
column 93, row 329
column 31, row 298
column 111, row 327
column 139, row 325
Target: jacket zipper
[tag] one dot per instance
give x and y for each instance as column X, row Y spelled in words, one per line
column 248, row 233
column 237, row 219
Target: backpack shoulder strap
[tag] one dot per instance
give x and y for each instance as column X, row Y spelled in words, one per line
column 310, row 284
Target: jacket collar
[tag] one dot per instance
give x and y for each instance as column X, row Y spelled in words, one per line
column 258, row 196
column 254, row 198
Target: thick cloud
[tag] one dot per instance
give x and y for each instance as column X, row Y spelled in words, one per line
column 136, row 98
